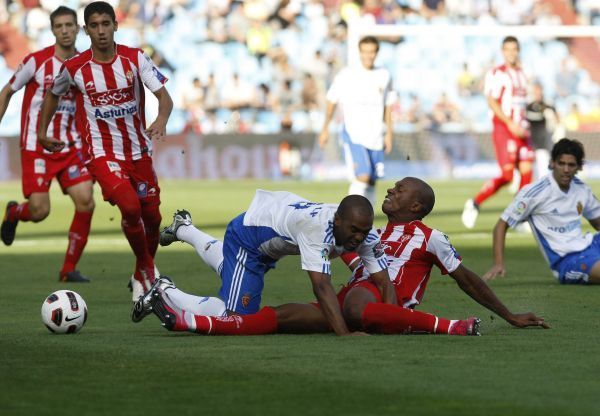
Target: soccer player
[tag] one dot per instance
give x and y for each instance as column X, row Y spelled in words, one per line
column 412, row 250
column 40, row 166
column 506, row 91
column 110, row 80
column 553, row 206
column 275, row 225
column 366, row 95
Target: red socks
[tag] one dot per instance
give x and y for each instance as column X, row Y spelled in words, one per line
column 151, row 217
column 78, row 236
column 260, row 323
column 19, row 212
column 392, row 319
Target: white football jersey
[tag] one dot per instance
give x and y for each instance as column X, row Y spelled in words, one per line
column 298, row 226
column 554, row 215
column 363, row 95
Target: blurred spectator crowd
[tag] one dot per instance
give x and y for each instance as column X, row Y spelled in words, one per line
column 263, row 66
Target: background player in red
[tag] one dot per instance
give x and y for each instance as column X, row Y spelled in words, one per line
column 110, row 80
column 506, row 91
column 412, row 249
column 40, row 166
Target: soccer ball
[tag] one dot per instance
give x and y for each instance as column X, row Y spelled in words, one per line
column 64, row 312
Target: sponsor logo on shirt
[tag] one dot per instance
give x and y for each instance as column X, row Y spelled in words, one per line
column 39, row 166
column 567, row 228
column 116, row 96
column 118, row 113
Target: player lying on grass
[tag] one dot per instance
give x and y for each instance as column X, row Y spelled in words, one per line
column 553, row 206
column 281, row 223
column 411, row 247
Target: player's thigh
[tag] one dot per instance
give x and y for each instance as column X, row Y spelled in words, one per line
column 357, row 160
column 110, row 175
column 145, row 182
column 377, row 165
column 82, row 194
column 505, row 146
column 356, row 300
column 242, row 277
column 301, row 318
column 36, row 176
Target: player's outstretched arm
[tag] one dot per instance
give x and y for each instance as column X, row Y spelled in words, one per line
column 5, row 96
column 388, row 139
column 385, row 286
column 49, row 106
column 158, row 129
column 498, row 241
column 477, row 289
column 327, row 299
column 324, row 136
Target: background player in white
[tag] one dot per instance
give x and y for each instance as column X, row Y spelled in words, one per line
column 278, row 224
column 506, row 92
column 366, row 96
column 117, row 146
column 553, row 206
column 40, row 167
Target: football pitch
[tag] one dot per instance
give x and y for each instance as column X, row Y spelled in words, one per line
column 115, row 367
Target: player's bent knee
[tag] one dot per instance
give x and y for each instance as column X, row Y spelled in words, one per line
column 354, row 306
column 39, row 212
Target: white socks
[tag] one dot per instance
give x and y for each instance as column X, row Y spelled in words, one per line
column 196, row 305
column 208, row 248
column 364, row 189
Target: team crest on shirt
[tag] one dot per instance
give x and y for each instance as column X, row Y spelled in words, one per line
column 246, row 300
column 39, row 166
column 579, row 207
column 325, row 254
column 129, row 76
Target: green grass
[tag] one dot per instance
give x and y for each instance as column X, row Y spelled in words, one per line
column 116, row 367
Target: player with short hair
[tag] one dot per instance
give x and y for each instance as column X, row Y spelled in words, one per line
column 276, row 224
column 110, row 80
column 506, row 91
column 366, row 96
column 553, row 207
column 39, row 166
column 412, row 249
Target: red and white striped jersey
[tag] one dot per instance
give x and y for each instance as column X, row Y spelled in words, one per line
column 36, row 74
column 509, row 87
column 412, row 250
column 112, row 94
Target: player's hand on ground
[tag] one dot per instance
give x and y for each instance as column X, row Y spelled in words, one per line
column 323, row 138
column 497, row 270
column 522, row 320
column 388, row 142
column 51, row 144
column 157, row 130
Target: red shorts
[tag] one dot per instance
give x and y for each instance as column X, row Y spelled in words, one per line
column 511, row 149
column 138, row 174
column 39, row 169
column 367, row 284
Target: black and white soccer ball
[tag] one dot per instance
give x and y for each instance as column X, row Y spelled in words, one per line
column 64, row 312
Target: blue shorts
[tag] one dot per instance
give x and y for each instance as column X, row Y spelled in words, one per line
column 363, row 161
column 575, row 267
column 244, row 266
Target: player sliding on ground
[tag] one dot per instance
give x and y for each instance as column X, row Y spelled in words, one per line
column 411, row 248
column 276, row 224
column 553, row 206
